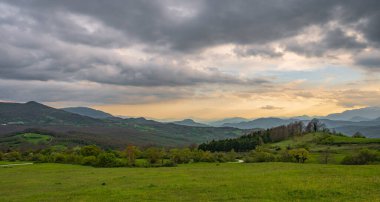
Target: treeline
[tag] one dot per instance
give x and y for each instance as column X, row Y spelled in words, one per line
column 132, row 156
column 251, row 141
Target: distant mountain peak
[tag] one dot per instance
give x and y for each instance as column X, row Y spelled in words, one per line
column 190, row 122
column 33, row 103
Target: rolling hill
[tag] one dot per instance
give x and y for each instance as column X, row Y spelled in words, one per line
column 72, row 129
column 89, row 112
column 260, row 123
column 34, row 113
column 190, row 122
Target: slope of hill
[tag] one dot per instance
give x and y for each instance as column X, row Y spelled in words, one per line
column 72, row 129
column 36, row 113
column 364, row 113
column 190, row 122
column 227, row 120
column 89, row 112
column 260, row 123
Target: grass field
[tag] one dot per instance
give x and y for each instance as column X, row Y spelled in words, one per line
column 35, row 138
column 192, row 182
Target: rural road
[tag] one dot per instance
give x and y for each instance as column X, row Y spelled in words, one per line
column 16, row 164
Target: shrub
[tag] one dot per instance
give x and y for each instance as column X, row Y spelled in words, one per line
column 106, row 160
column 12, row 156
column 89, row 161
column 90, row 150
column 169, row 163
column 358, row 135
column 153, row 155
column 300, row 155
column 58, row 158
column 365, row 156
column 259, row 156
column 285, row 156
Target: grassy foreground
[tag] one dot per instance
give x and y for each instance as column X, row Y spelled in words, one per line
column 192, row 182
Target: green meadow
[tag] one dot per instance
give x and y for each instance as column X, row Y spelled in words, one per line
column 192, row 182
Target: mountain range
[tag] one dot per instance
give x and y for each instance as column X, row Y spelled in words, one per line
column 82, row 125
column 69, row 128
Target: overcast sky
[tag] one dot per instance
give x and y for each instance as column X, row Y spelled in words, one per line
column 198, row 59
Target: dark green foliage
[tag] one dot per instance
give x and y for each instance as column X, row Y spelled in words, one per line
column 106, row 159
column 90, row 150
column 153, row 155
column 315, row 126
column 365, row 156
column 358, row 135
column 89, row 161
column 12, row 156
column 251, row 141
column 259, row 155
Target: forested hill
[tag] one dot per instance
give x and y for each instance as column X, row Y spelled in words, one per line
column 38, row 114
column 255, row 138
column 69, row 129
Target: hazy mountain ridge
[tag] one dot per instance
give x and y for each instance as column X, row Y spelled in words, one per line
column 89, row 112
column 190, row 122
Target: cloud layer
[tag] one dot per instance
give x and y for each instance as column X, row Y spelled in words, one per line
column 131, row 52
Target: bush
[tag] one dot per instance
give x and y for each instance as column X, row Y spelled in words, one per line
column 285, row 156
column 12, row 156
column 59, row 158
column 91, row 150
column 259, row 156
column 358, row 135
column 300, row 155
column 169, row 163
column 365, row 156
column 106, row 160
column 89, row 161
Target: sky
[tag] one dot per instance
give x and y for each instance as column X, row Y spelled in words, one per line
column 198, row 59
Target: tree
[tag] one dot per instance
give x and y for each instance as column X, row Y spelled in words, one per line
column 106, row 159
column 300, row 155
column 315, row 125
column 358, row 135
column 325, row 156
column 90, row 150
column 153, row 155
column 131, row 153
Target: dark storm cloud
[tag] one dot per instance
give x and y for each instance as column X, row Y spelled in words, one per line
column 334, row 39
column 209, row 22
column 71, row 40
column 369, row 61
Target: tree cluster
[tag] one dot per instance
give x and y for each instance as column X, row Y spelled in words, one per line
column 252, row 140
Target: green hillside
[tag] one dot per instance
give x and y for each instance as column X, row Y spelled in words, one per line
column 71, row 129
column 322, row 144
